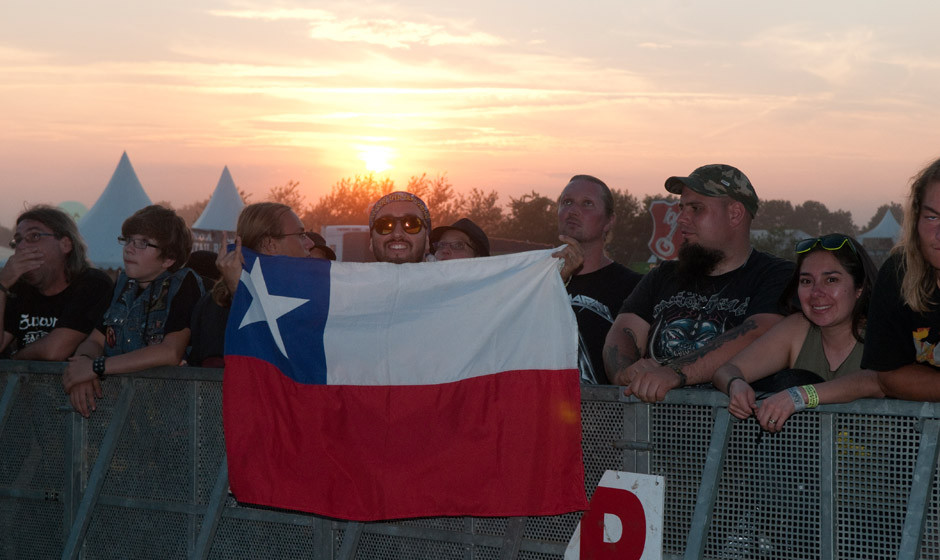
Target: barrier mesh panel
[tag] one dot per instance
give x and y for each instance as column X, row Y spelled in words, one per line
column 875, row 462
column 210, row 441
column 119, row 533
column 32, row 443
column 769, row 494
column 237, row 539
column 602, row 425
column 380, row 547
column 95, row 427
column 529, row 555
column 768, row 503
column 154, row 455
column 681, row 436
column 459, row 524
column 30, row 529
column 930, row 547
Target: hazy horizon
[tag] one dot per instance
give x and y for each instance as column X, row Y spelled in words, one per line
column 258, row 196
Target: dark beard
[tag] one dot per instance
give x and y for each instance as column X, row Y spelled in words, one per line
column 696, row 263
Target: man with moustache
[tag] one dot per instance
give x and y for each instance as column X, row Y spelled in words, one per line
column 600, row 286
column 399, row 224
column 50, row 297
column 689, row 316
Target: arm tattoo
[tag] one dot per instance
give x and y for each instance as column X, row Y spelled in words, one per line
column 716, row 343
column 615, row 360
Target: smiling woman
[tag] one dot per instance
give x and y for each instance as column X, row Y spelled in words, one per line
column 376, row 158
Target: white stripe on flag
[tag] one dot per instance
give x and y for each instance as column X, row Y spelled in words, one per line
column 430, row 323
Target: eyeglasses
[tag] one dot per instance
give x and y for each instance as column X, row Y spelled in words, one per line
column 831, row 242
column 30, row 237
column 139, row 243
column 453, row 246
column 410, row 223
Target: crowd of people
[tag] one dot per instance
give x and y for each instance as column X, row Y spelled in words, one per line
column 829, row 328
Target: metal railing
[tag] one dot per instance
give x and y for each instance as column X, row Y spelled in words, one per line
column 145, row 477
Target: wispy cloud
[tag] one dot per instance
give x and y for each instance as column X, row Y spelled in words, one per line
column 649, row 45
column 388, row 32
column 13, row 55
column 834, row 56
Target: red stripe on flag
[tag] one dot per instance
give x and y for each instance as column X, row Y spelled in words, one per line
column 506, row 444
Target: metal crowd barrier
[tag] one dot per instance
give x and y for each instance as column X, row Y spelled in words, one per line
column 145, row 477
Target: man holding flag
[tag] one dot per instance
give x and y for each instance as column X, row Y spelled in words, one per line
column 366, row 392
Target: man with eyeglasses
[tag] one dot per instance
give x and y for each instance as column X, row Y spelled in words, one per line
column 600, row 286
column 50, row 296
column 398, row 228
column 687, row 317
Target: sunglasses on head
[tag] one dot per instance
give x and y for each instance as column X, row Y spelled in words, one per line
column 831, row 242
column 411, row 224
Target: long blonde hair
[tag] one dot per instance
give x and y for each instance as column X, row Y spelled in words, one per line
column 256, row 223
column 918, row 277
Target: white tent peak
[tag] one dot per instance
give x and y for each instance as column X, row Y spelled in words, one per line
column 887, row 228
column 221, row 213
column 101, row 225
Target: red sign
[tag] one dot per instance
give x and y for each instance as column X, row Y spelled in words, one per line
column 666, row 238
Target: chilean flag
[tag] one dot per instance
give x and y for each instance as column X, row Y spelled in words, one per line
column 370, row 391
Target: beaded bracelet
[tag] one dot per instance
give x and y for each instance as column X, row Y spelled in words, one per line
column 797, row 398
column 813, row 396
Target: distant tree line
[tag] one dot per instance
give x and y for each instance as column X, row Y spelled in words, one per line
column 533, row 216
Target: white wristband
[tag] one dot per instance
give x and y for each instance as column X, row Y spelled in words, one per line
column 797, row 398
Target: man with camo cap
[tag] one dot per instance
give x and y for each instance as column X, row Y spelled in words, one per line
column 689, row 316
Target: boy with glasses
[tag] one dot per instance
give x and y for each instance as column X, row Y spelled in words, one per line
column 50, row 296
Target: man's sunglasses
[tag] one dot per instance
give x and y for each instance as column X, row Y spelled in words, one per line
column 410, row 223
column 831, row 242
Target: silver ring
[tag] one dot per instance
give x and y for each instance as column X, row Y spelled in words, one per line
column 773, row 421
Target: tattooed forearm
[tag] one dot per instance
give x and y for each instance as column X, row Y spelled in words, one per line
column 747, row 326
column 615, row 359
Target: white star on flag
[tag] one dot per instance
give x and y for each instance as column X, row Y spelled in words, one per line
column 265, row 306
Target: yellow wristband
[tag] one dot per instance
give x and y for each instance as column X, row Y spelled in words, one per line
column 812, row 396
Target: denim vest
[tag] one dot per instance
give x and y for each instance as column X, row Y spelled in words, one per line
column 134, row 320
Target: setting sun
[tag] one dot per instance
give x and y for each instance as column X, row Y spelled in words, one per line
column 376, row 158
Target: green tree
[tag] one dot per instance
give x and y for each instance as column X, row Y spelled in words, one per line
column 438, row 194
column 191, row 212
column 777, row 241
column 483, row 208
column 774, row 214
column 532, row 217
column 631, row 230
column 815, row 219
column 348, row 203
column 290, row 195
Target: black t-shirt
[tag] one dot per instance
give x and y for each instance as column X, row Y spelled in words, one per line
column 896, row 335
column 595, row 298
column 208, row 332
column 30, row 315
column 684, row 318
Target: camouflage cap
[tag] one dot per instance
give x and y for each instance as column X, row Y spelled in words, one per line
column 718, row 179
column 401, row 196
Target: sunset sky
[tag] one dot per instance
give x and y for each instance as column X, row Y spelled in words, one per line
column 832, row 101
